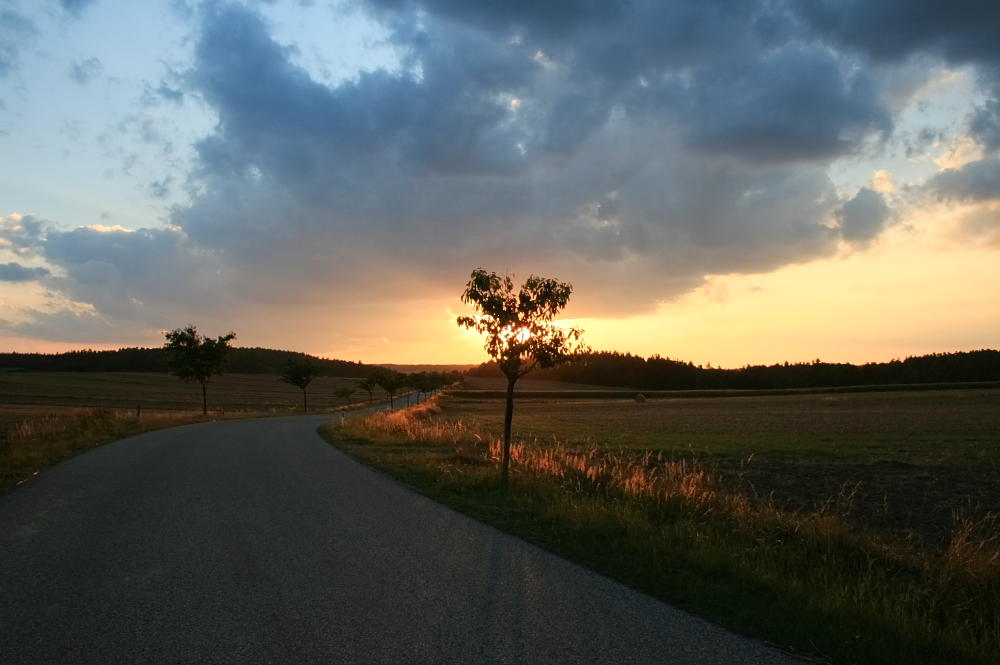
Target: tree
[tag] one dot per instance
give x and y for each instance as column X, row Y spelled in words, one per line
column 390, row 382
column 369, row 386
column 300, row 374
column 193, row 357
column 343, row 394
column 519, row 330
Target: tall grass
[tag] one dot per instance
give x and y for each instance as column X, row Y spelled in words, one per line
column 669, row 526
column 31, row 444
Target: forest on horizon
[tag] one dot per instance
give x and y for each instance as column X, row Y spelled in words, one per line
column 616, row 369
column 604, row 368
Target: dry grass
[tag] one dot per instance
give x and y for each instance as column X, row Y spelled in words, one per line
column 31, row 444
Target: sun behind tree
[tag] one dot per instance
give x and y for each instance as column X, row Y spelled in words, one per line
column 519, row 331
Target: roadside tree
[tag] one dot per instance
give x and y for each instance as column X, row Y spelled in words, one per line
column 390, row 382
column 369, row 386
column 519, row 331
column 193, row 357
column 343, row 394
column 300, row 373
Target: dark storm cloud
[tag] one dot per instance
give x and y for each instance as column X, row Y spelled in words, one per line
column 83, row 71
column 631, row 147
column 515, row 129
column 962, row 33
column 736, row 76
column 976, row 181
column 791, row 104
column 15, row 272
column 863, row 217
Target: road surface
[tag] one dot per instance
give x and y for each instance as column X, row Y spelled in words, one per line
column 256, row 542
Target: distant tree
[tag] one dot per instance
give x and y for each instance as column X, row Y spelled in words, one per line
column 519, row 331
column 369, row 386
column 300, row 374
column 343, row 394
column 424, row 382
column 390, row 382
column 193, row 357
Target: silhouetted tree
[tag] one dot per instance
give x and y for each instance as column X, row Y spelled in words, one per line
column 369, row 386
column 390, row 382
column 519, row 331
column 343, row 394
column 300, row 374
column 193, row 357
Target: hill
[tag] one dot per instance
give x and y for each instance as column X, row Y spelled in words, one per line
column 240, row 360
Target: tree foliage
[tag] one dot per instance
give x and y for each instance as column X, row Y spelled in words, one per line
column 343, row 394
column 518, row 325
column 300, row 374
column 519, row 330
column 391, row 383
column 369, row 386
column 193, row 357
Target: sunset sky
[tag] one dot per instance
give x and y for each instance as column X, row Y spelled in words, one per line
column 722, row 182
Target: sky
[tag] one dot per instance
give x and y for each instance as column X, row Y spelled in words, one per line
column 724, row 183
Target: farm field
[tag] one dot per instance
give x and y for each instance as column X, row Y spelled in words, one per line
column 904, row 464
column 529, row 385
column 124, row 390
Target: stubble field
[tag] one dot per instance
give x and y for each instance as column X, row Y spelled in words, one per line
column 907, row 465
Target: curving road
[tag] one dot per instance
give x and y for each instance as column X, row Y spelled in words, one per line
column 256, row 542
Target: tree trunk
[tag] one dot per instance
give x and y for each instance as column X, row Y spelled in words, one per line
column 508, row 417
column 305, row 402
column 204, row 398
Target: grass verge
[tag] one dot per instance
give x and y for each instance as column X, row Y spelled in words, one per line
column 805, row 580
column 33, row 444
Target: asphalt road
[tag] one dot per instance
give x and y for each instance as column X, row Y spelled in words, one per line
column 256, row 542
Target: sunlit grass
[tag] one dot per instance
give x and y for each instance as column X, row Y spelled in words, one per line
column 672, row 526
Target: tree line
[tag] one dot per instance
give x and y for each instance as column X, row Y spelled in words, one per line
column 612, row 368
column 196, row 358
column 239, row 360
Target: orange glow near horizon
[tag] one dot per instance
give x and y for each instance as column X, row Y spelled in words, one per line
column 914, row 292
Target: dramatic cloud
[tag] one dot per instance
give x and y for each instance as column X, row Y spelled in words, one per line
column 15, row 272
column 479, row 135
column 962, row 33
column 634, row 148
